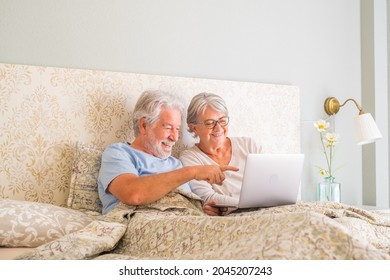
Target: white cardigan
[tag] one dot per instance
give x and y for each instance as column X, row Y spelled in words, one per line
column 229, row 191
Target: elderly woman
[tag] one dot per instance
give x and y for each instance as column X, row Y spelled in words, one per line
column 208, row 120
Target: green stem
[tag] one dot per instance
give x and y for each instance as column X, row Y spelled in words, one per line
column 330, row 159
column 326, row 155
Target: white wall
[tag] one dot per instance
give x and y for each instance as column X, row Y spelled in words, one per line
column 314, row 44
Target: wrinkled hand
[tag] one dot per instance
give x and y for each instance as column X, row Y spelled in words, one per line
column 213, row 174
column 214, row 211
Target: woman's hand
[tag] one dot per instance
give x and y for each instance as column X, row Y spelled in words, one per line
column 214, row 211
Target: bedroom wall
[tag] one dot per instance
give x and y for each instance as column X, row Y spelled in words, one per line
column 313, row 44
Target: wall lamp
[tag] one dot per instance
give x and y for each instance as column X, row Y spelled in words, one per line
column 366, row 130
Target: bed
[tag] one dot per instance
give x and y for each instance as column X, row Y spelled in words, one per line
column 55, row 123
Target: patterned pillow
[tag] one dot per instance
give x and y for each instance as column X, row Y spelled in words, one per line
column 83, row 192
column 31, row 224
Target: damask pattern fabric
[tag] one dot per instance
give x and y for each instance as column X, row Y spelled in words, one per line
column 31, row 224
column 83, row 193
column 175, row 227
column 98, row 236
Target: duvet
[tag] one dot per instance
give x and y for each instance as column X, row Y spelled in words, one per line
column 175, row 227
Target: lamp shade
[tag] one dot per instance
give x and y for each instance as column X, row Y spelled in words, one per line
column 366, row 129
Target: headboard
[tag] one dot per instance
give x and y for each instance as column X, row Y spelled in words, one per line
column 44, row 111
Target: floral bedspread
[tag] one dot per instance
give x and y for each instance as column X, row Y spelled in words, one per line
column 175, row 227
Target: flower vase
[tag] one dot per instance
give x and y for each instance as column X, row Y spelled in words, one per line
column 329, row 190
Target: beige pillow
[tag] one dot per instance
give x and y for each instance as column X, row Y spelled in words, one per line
column 83, row 192
column 31, row 224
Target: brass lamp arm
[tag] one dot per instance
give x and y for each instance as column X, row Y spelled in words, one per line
column 332, row 105
column 357, row 105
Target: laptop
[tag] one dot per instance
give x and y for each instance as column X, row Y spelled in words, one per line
column 270, row 180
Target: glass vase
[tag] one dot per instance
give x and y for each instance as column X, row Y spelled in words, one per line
column 329, row 190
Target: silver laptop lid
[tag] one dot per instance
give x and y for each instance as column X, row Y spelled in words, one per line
column 271, row 180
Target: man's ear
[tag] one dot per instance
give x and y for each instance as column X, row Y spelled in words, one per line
column 142, row 126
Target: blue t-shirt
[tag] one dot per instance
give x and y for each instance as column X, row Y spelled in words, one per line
column 121, row 158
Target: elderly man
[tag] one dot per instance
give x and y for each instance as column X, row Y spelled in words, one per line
column 144, row 171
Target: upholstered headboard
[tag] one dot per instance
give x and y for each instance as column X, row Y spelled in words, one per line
column 44, row 111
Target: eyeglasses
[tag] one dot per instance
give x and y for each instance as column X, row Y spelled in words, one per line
column 210, row 124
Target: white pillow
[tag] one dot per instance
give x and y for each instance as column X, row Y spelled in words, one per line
column 31, row 224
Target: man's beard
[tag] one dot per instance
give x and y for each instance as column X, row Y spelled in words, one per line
column 154, row 147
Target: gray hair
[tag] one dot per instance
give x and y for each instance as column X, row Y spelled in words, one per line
column 150, row 104
column 201, row 102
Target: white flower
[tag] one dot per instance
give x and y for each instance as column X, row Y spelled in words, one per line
column 331, row 139
column 321, row 125
column 328, row 141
